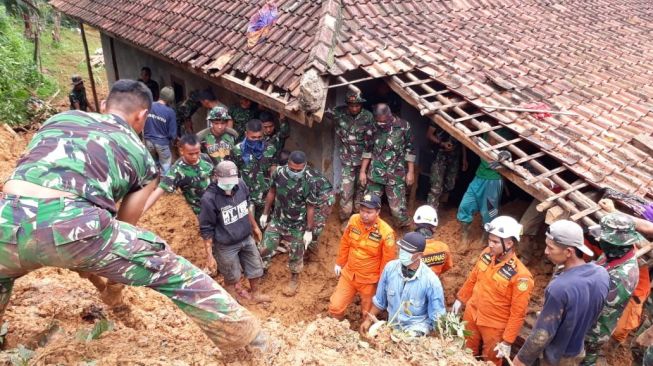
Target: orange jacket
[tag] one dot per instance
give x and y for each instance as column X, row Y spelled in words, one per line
column 497, row 294
column 643, row 288
column 364, row 251
column 437, row 256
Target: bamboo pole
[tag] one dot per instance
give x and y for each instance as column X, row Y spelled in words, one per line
column 88, row 66
column 530, row 110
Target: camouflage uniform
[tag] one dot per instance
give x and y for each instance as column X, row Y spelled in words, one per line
column 444, row 171
column 192, row 180
column 289, row 217
column 185, row 111
column 323, row 191
column 241, row 116
column 255, row 173
column 355, row 134
column 392, row 148
column 278, row 139
column 78, row 96
column 100, row 159
column 618, row 230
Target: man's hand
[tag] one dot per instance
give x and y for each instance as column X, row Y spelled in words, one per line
column 337, row 269
column 456, row 306
column 258, row 235
column 503, row 350
column 410, row 178
column 212, row 265
column 362, row 178
column 607, row 205
column 365, row 326
column 263, row 221
column 308, row 238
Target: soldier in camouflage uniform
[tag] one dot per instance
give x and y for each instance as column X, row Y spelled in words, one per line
column 444, row 169
column 391, row 162
column 270, row 133
column 294, row 210
column 77, row 96
column 185, row 111
column 617, row 240
column 323, row 191
column 241, row 114
column 255, row 160
column 218, row 142
column 191, row 173
column 355, row 129
column 58, row 208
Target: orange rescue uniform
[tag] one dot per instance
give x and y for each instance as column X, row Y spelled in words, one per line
column 437, row 256
column 496, row 296
column 364, row 252
column 632, row 315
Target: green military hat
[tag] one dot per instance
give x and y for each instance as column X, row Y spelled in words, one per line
column 619, row 229
column 218, row 113
column 354, row 97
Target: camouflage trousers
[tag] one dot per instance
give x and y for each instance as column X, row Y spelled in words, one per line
column 396, row 194
column 647, row 360
column 350, row 191
column 444, row 172
column 320, row 217
column 274, row 234
column 72, row 233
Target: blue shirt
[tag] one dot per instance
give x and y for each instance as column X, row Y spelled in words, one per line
column 572, row 303
column 161, row 124
column 422, row 295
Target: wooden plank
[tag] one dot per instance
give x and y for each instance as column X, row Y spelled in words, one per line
column 345, row 82
column 434, row 94
column 566, row 192
column 417, row 82
column 546, row 174
column 529, row 157
column 644, row 143
column 517, row 109
column 554, row 214
column 471, row 116
column 585, row 212
column 503, row 144
column 485, row 130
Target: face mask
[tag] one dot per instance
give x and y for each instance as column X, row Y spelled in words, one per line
column 226, row 187
column 254, row 144
column 405, row 258
column 296, row 175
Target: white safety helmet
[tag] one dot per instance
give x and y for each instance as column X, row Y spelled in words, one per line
column 426, row 215
column 504, row 227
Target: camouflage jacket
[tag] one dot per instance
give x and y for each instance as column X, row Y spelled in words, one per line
column 218, row 147
column 624, row 275
column 321, row 188
column 256, row 173
column 241, row 116
column 192, row 180
column 292, row 198
column 356, row 134
column 78, row 96
column 184, row 112
column 392, row 148
column 278, row 140
column 98, row 157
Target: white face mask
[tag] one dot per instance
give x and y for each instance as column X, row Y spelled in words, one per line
column 226, row 187
column 405, row 258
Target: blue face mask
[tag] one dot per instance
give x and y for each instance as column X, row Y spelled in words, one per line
column 226, row 187
column 405, row 258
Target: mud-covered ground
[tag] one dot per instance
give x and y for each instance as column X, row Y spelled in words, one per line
column 50, row 307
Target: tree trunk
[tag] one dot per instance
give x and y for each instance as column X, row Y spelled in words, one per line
column 27, row 20
column 56, row 28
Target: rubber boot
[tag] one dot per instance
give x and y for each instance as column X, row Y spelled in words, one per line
column 293, row 284
column 464, row 238
column 112, row 294
column 257, row 296
column 260, row 343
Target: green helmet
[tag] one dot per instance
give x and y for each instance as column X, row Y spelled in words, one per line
column 354, row 97
column 619, row 229
column 218, row 113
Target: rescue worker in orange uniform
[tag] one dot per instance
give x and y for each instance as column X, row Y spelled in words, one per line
column 496, row 293
column 632, row 316
column 436, row 255
column 367, row 244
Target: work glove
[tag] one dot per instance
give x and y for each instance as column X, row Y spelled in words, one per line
column 308, row 238
column 337, row 269
column 456, row 306
column 503, row 350
column 263, row 221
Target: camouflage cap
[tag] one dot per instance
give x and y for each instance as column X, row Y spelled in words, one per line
column 354, row 97
column 619, row 229
column 218, row 113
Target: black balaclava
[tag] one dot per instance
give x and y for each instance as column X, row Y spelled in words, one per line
column 613, row 252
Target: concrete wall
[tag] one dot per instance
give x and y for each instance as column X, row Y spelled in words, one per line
column 316, row 142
